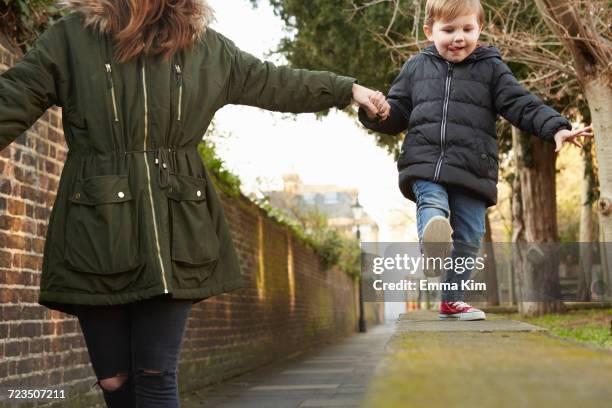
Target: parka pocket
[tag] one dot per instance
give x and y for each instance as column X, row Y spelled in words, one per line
column 194, row 239
column 102, row 226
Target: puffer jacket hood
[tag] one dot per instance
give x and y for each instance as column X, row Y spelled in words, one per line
column 136, row 214
column 450, row 111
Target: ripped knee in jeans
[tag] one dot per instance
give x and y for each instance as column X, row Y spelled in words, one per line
column 111, row 384
column 157, row 379
column 145, row 372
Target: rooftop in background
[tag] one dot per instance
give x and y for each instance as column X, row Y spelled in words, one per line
column 333, row 201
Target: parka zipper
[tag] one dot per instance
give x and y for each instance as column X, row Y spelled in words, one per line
column 111, row 86
column 179, row 75
column 146, row 132
column 449, row 77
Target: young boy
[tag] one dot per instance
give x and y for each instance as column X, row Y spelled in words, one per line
column 448, row 97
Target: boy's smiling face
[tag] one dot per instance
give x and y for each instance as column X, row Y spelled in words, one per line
column 455, row 39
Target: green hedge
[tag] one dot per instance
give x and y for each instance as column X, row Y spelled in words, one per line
column 22, row 21
column 309, row 227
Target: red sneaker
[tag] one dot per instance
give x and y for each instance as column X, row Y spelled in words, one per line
column 460, row 311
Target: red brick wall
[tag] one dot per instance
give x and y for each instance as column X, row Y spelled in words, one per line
column 263, row 322
column 226, row 335
column 35, row 344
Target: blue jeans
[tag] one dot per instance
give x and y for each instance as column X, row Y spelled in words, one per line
column 466, row 213
column 141, row 339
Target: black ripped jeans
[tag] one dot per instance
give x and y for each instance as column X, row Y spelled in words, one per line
column 141, row 339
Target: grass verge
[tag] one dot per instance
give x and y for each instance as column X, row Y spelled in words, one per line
column 592, row 327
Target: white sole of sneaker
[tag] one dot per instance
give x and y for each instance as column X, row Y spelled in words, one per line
column 463, row 316
column 436, row 242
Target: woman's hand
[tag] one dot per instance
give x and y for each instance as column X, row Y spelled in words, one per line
column 565, row 135
column 361, row 95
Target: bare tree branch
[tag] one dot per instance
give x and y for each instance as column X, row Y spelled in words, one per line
column 522, row 38
column 590, row 50
column 357, row 8
column 395, row 9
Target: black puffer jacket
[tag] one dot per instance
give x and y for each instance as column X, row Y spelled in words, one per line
column 450, row 111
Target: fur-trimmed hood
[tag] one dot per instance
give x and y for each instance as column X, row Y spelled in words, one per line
column 93, row 10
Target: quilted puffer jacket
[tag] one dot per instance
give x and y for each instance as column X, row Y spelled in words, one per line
column 450, row 110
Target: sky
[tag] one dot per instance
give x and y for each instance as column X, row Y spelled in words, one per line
column 260, row 146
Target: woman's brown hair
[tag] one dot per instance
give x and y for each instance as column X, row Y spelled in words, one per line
column 150, row 27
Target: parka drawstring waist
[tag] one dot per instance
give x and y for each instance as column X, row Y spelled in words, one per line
column 162, row 161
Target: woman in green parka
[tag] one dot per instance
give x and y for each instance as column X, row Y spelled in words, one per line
column 137, row 233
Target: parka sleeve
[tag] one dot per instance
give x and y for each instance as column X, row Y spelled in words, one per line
column 280, row 88
column 523, row 109
column 30, row 87
column 399, row 100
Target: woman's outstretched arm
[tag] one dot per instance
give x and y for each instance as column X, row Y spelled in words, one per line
column 30, row 87
column 279, row 88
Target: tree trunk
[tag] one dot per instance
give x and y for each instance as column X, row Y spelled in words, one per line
column 537, row 272
column 599, row 97
column 584, row 241
column 490, row 270
column 518, row 226
column 575, row 25
column 591, row 54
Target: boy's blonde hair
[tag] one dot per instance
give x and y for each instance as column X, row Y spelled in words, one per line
column 446, row 10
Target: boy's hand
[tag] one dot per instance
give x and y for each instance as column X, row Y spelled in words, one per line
column 361, row 95
column 383, row 107
column 565, row 135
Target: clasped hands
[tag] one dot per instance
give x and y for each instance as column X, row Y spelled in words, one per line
column 373, row 102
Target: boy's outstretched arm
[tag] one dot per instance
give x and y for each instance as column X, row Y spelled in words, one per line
column 522, row 108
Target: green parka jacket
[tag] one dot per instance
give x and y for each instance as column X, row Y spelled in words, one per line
column 136, row 214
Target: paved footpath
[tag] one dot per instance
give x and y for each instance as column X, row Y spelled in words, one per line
column 419, row 361
column 332, row 376
column 493, row 363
